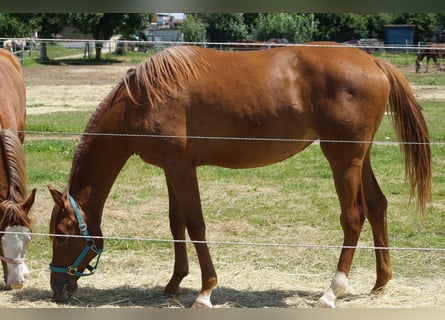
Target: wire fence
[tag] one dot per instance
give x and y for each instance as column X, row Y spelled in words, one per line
column 227, row 138
column 231, row 243
column 83, row 48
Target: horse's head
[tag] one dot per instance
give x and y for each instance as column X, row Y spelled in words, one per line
column 73, row 247
column 418, row 65
column 16, row 226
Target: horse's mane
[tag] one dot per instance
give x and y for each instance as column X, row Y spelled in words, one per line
column 15, row 168
column 161, row 75
column 155, row 79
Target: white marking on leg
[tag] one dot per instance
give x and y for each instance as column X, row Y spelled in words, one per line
column 204, row 300
column 338, row 286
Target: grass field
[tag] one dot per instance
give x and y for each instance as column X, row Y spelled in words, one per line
column 292, row 202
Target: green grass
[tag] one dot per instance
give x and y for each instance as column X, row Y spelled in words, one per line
column 57, row 54
column 58, row 122
column 288, row 195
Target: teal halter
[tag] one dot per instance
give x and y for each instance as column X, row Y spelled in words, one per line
column 90, row 245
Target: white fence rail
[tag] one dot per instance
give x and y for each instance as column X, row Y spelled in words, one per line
column 84, row 48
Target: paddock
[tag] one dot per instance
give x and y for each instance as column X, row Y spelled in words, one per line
column 289, row 266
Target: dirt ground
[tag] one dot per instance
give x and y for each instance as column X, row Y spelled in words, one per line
column 59, row 88
column 68, row 88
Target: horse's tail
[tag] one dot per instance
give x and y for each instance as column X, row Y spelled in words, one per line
column 412, row 132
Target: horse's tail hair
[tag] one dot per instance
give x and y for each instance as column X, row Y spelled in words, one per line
column 412, row 132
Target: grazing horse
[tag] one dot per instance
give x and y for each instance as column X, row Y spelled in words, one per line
column 435, row 52
column 15, row 45
column 188, row 106
column 15, row 222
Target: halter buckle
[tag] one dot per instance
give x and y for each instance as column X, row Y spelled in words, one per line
column 71, row 270
column 82, row 226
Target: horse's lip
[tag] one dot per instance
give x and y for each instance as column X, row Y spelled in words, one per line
column 63, row 296
column 63, row 287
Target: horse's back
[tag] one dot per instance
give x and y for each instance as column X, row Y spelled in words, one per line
column 326, row 82
column 295, row 93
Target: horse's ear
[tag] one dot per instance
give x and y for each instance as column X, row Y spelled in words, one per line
column 57, row 196
column 30, row 201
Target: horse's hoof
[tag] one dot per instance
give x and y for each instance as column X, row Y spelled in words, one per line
column 378, row 290
column 200, row 305
column 172, row 290
column 324, row 303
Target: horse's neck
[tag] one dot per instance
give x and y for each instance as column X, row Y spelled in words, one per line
column 421, row 56
column 100, row 155
column 95, row 167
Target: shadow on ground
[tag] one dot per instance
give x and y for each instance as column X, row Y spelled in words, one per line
column 223, row 297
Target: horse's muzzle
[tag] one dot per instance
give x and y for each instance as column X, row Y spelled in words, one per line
column 63, row 286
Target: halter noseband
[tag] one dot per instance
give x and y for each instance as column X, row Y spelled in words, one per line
column 12, row 260
column 89, row 245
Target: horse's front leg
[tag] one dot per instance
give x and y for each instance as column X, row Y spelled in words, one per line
column 177, row 228
column 183, row 182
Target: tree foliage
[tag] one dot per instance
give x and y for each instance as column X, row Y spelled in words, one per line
column 226, row 27
column 16, row 25
column 104, row 25
column 193, row 29
column 427, row 25
column 341, row 27
column 296, row 28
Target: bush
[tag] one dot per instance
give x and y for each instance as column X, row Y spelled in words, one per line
column 193, row 30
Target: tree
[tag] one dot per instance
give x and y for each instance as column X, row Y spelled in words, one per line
column 426, row 25
column 23, row 24
column 441, row 27
column 193, row 29
column 104, row 25
column 226, row 27
column 48, row 25
column 341, row 27
column 376, row 24
column 296, row 28
column 16, row 25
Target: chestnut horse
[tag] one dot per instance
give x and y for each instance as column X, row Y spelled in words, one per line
column 436, row 52
column 15, row 223
column 188, row 106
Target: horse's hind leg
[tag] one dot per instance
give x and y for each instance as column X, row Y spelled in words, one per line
column 376, row 214
column 346, row 162
column 177, row 228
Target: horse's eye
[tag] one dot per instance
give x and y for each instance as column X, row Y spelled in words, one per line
column 62, row 241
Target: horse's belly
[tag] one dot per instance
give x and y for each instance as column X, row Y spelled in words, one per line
column 251, row 153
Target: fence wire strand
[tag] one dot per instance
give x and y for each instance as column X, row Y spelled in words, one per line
column 202, row 137
column 251, row 139
column 231, row 243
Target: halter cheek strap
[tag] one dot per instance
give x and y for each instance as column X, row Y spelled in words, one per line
column 89, row 246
